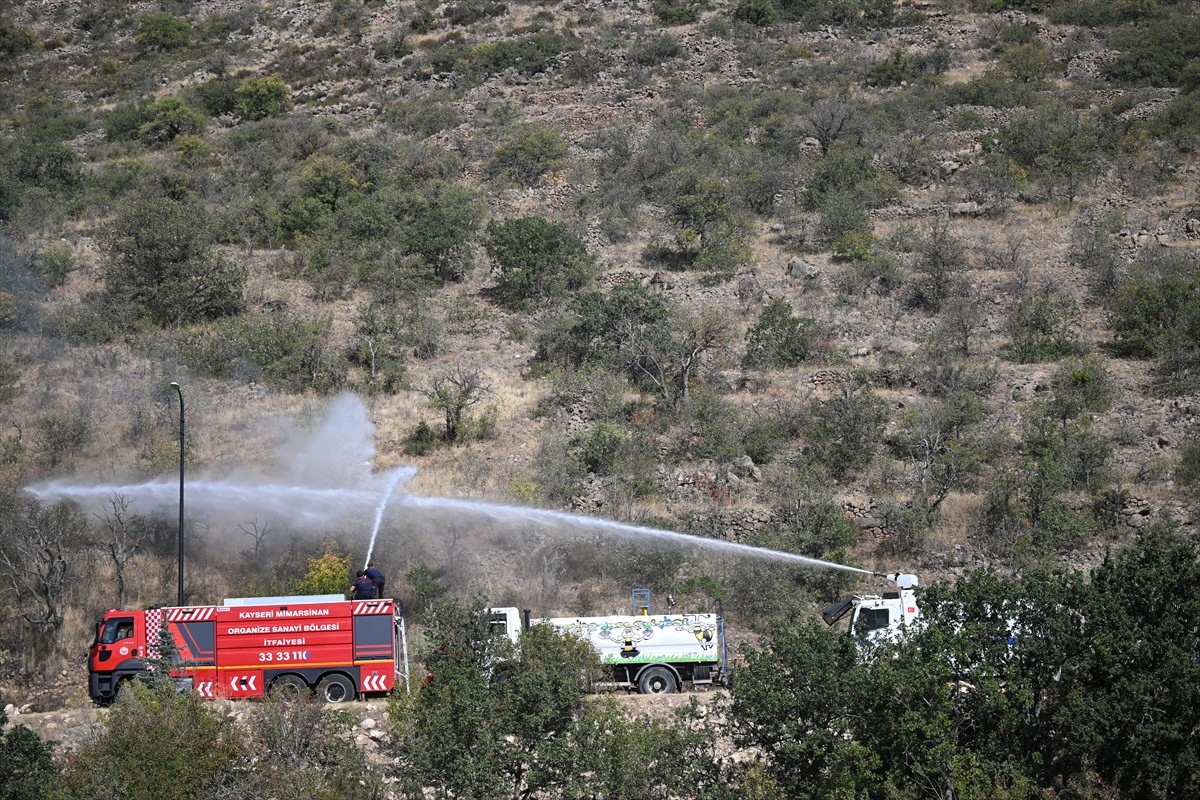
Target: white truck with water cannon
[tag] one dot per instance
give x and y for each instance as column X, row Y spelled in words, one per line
column 653, row 653
column 878, row 618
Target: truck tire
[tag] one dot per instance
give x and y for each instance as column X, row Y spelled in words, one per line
column 289, row 687
column 336, row 688
column 657, row 680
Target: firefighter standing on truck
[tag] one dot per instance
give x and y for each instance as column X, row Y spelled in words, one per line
column 362, row 588
column 376, row 577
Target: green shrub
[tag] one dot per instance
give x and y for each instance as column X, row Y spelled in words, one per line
column 1156, row 314
column 1043, row 328
column 591, row 330
column 47, row 164
column 465, row 12
column 943, row 257
column 284, row 350
column 55, row 264
column 779, row 339
column 901, row 66
column 1157, row 52
column 655, row 50
column 14, row 39
column 529, row 154
column 677, row 12
column 421, row 440
column 161, row 32
column 439, row 223
column 850, row 170
column 756, row 12
column 600, row 447
column 1082, row 385
column 843, row 432
column 536, row 260
column 259, row 98
column 1057, row 145
column 854, row 245
column 159, row 258
column 217, row 96
column 159, row 743
column 1102, row 13
column 1026, row 62
column 167, row 118
column 710, row 235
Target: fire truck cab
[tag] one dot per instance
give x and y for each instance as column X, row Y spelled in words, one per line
column 249, row 647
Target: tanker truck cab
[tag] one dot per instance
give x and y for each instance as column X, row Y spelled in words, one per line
column 117, row 652
column 876, row 619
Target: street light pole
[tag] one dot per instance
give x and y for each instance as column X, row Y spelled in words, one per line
column 175, row 386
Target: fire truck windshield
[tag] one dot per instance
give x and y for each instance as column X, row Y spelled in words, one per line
column 116, row 630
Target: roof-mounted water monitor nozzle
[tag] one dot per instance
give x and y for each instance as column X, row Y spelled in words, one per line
column 901, row 579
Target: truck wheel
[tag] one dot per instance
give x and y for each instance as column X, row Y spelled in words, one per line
column 289, row 687
column 657, row 680
column 335, row 689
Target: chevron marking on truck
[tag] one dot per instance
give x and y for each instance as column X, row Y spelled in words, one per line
column 246, row 681
column 205, row 689
column 374, row 683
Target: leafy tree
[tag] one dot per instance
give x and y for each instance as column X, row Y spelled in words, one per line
column 1042, row 327
column 668, row 366
column 328, row 573
column 167, row 118
column 304, row 750
column 943, row 256
column 159, row 258
column 710, row 235
column 27, row 768
column 844, row 431
column 1156, row 52
column 1009, row 689
column 380, row 338
column 280, row 348
column 529, row 154
column 490, row 719
column 329, row 181
column 162, row 32
column 850, row 169
column 1156, row 314
column 756, row 12
column 1057, row 145
column 438, row 222
column 1081, row 385
column 156, row 744
column 1026, row 62
column 536, row 260
column 259, row 98
column 595, row 326
column 14, row 39
column 938, row 442
column 795, row 700
column 607, row 752
column 453, row 393
column 780, row 339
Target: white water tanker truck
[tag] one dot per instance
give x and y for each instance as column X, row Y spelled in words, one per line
column 654, row 653
column 878, row 618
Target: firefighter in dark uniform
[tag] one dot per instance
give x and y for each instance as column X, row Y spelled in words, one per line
column 362, row 588
column 376, row 577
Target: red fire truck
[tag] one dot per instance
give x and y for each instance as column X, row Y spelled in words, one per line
column 250, row 647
